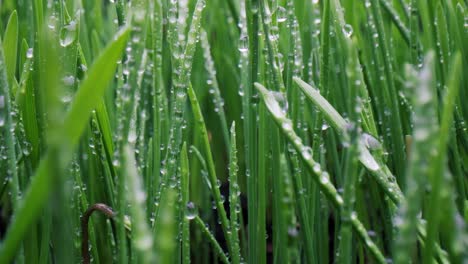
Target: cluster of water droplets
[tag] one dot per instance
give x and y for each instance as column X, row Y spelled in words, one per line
column 183, row 55
column 296, row 54
column 288, row 197
column 304, row 151
column 212, row 83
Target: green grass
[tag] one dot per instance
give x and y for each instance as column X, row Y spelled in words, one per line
column 251, row 131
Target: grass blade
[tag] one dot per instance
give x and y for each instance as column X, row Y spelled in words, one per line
column 438, row 162
column 212, row 239
column 234, row 202
column 188, row 212
column 211, row 166
column 141, row 237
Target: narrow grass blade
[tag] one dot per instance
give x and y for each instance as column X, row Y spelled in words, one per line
column 234, row 203
column 396, row 20
column 218, row 101
column 252, row 50
column 310, row 246
column 165, row 243
column 8, row 132
column 201, row 127
column 188, row 212
column 284, row 220
column 385, row 69
column 180, row 85
column 438, row 161
column 424, row 134
column 159, row 98
column 141, row 236
column 217, row 248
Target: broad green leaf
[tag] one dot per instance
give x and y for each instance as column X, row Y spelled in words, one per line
column 86, row 99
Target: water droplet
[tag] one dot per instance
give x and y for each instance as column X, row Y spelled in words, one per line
column 29, row 53
column 306, row 153
column 371, row 142
column 68, row 80
column 132, row 136
column 292, row 231
column 287, row 125
column 281, row 14
column 243, row 44
column 317, row 168
column 66, row 97
column 367, row 160
column 68, row 34
column 325, row 126
column 27, row 148
column 83, row 68
column 324, row 178
column 282, row 101
column 347, row 30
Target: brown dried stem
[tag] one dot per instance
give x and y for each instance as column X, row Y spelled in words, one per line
column 103, row 208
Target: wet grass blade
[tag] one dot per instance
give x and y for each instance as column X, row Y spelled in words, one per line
column 424, row 134
column 188, row 212
column 141, row 236
column 166, row 244
column 217, row 248
column 7, row 130
column 252, row 50
column 234, row 203
column 201, row 127
column 218, row 101
column 439, row 160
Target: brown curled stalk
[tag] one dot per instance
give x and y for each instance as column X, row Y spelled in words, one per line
column 103, row 208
